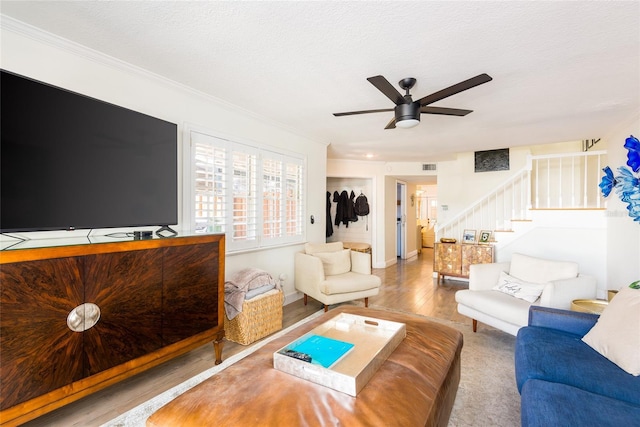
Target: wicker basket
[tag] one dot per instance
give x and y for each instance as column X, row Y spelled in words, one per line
column 260, row 317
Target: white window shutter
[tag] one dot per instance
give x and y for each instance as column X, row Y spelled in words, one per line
column 255, row 196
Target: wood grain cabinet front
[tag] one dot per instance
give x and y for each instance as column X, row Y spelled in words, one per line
column 448, row 258
column 38, row 352
column 453, row 259
column 475, row 254
column 187, row 279
column 76, row 319
column 127, row 288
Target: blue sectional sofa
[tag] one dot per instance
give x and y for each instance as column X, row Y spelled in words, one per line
column 564, row 382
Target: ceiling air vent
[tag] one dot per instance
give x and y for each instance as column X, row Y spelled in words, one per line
column 428, row 166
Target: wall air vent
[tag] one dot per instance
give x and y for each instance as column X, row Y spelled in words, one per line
column 428, row 166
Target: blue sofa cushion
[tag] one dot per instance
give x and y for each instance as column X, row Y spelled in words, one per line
column 546, row 404
column 574, row 322
column 561, row 357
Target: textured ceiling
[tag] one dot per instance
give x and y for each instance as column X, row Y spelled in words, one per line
column 561, row 71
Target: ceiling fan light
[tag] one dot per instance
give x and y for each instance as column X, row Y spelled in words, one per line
column 407, row 115
column 407, row 123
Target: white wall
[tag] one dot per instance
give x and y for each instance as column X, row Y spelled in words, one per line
column 410, row 169
column 623, row 237
column 459, row 186
column 44, row 57
column 560, row 147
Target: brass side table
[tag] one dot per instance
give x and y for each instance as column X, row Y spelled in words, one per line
column 593, row 306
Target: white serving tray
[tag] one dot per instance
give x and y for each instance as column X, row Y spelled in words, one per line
column 374, row 340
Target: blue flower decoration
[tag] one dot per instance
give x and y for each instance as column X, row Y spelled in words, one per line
column 627, row 183
column 634, row 210
column 608, row 181
column 633, row 155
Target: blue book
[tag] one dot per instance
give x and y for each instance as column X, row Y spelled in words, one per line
column 322, row 350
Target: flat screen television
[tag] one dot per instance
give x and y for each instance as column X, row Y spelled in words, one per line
column 69, row 161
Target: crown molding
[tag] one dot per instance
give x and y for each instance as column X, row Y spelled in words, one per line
column 34, row 33
column 42, row 36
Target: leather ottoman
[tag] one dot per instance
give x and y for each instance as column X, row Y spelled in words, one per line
column 415, row 386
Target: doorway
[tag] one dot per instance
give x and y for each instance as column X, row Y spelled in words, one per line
column 401, row 219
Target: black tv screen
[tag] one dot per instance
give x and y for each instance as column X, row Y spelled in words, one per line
column 69, row 161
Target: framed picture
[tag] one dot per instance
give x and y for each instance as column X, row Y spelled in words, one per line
column 492, row 160
column 469, row 237
column 485, row 236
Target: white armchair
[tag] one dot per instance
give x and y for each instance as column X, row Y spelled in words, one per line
column 331, row 274
column 500, row 294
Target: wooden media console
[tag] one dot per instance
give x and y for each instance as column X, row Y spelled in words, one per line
column 75, row 319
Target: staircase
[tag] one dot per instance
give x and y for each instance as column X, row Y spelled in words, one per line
column 553, row 183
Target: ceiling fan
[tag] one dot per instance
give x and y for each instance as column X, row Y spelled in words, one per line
column 407, row 111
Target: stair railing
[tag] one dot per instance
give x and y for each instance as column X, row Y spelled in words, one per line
column 494, row 211
column 568, row 181
column 553, row 181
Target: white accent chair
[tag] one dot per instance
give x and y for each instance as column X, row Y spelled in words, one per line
column 331, row 274
column 559, row 281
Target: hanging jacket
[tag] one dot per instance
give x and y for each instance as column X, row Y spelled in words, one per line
column 342, row 208
column 329, row 228
column 339, row 209
column 351, row 208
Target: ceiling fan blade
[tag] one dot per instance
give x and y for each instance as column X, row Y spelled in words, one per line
column 445, row 111
column 387, row 88
column 457, row 88
column 391, row 124
column 351, row 113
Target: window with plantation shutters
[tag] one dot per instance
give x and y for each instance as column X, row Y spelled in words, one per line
column 271, row 198
column 253, row 195
column 293, row 197
column 209, row 187
column 244, row 196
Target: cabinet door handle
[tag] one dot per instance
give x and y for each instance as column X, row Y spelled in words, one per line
column 83, row 317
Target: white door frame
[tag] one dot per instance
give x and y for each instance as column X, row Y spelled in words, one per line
column 401, row 190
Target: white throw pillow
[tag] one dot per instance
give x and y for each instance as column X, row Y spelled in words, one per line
column 519, row 288
column 335, row 262
column 616, row 335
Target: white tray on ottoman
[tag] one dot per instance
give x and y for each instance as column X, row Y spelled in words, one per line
column 374, row 340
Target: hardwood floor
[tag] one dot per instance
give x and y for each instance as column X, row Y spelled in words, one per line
column 407, row 286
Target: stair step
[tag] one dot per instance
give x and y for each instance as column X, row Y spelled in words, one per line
column 568, row 209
